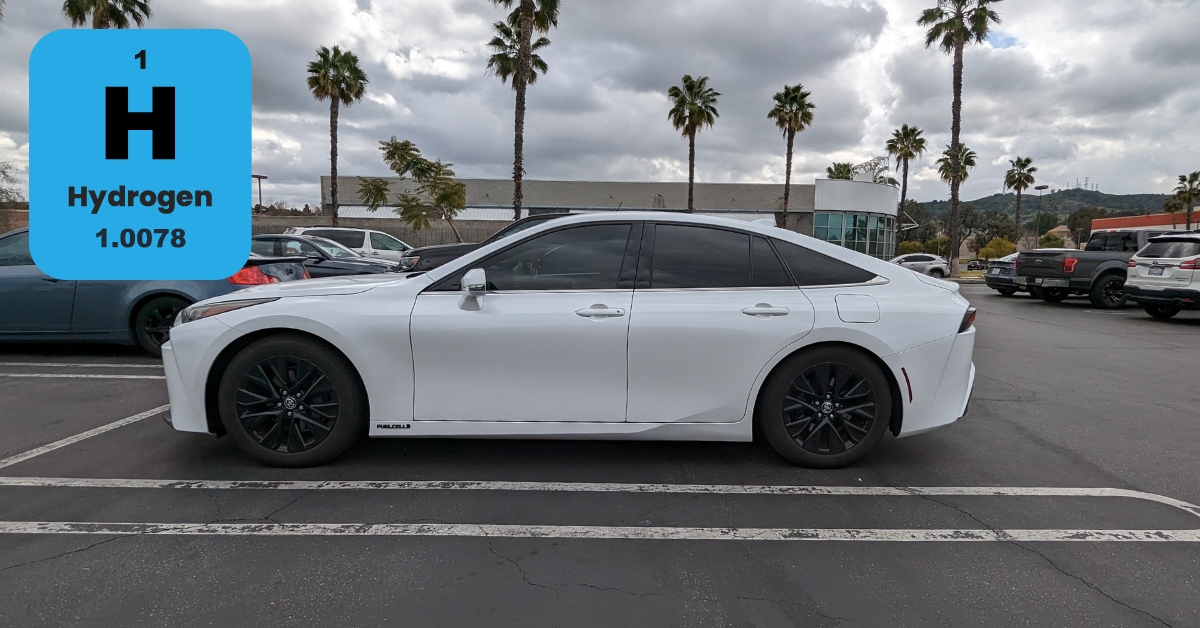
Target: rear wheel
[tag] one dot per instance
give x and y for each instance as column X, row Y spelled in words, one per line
column 1006, row 292
column 825, row 407
column 1162, row 312
column 1053, row 295
column 1109, row 292
column 937, row 273
column 291, row 402
column 152, row 323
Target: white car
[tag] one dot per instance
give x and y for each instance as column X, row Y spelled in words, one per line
column 368, row 243
column 1163, row 275
column 924, row 263
column 630, row 325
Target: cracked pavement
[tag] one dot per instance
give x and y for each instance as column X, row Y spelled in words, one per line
column 1065, row 396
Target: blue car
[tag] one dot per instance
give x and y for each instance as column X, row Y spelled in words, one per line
column 35, row 307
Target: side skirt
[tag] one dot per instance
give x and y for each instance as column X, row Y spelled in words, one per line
column 732, row 432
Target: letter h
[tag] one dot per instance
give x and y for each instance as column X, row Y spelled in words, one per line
column 119, row 121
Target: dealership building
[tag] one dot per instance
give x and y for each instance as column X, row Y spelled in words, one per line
column 859, row 215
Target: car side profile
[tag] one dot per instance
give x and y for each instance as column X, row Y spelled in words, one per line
column 368, row 243
column 637, row 325
column 924, row 263
column 322, row 257
column 35, row 307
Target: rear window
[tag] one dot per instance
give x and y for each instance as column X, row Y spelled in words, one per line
column 811, row 268
column 263, row 247
column 1120, row 241
column 1171, row 249
column 352, row 239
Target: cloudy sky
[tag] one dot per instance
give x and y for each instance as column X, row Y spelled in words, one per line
column 1105, row 89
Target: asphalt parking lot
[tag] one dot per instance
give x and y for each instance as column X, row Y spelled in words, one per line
column 545, row 533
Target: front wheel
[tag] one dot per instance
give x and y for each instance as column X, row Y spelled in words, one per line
column 1053, row 295
column 152, row 323
column 1109, row 293
column 937, row 273
column 1162, row 312
column 825, row 407
column 1006, row 292
column 289, row 401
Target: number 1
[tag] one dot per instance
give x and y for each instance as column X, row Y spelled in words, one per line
column 141, row 56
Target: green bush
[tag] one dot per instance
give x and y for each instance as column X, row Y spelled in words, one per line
column 1051, row 241
column 940, row 246
column 909, row 246
column 997, row 248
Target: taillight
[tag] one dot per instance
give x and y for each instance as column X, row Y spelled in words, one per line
column 968, row 320
column 1190, row 264
column 306, row 275
column 1069, row 264
column 252, row 276
column 1133, row 263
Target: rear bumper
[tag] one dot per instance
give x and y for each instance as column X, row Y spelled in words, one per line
column 940, row 376
column 999, row 281
column 1187, row 299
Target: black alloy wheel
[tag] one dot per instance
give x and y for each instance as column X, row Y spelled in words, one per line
column 290, row 401
column 825, row 407
column 1053, row 295
column 153, row 321
column 1162, row 312
column 1109, row 293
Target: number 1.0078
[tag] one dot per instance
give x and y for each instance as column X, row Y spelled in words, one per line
column 143, row 238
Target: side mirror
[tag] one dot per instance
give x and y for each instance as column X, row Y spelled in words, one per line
column 474, row 283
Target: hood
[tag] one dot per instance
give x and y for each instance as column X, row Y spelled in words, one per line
column 329, row 286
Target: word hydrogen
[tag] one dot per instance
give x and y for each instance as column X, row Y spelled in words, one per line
column 166, row 200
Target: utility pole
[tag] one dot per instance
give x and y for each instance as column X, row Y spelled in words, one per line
column 1037, row 226
column 260, row 178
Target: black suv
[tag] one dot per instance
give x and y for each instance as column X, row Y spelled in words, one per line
column 430, row 257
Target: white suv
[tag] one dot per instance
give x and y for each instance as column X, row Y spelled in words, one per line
column 1163, row 275
column 365, row 242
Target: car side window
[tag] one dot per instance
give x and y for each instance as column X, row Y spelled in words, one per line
column 296, row 247
column 14, row 250
column 699, row 257
column 579, row 258
column 919, row 258
column 384, row 242
column 811, row 268
column 263, row 247
column 352, row 239
column 766, row 269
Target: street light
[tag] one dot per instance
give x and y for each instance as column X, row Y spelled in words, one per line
column 1037, row 226
column 260, row 178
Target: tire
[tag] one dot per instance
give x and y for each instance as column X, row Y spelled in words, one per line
column 831, row 443
column 1006, row 292
column 1162, row 312
column 1109, row 293
column 1053, row 295
column 152, row 323
column 937, row 273
column 266, row 370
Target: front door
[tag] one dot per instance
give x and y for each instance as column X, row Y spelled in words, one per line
column 712, row 307
column 546, row 343
column 31, row 301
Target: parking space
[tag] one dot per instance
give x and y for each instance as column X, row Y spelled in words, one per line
column 140, row 525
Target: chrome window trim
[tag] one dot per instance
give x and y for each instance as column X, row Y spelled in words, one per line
column 726, row 289
column 879, row 280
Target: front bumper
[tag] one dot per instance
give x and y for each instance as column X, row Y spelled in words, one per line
column 187, row 358
column 1187, row 299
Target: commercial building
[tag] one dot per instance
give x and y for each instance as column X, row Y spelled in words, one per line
column 856, row 214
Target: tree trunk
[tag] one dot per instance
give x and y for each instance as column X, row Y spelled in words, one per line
column 520, row 82
column 903, row 188
column 955, row 128
column 781, row 219
column 691, row 168
column 1017, row 219
column 450, row 220
column 333, row 122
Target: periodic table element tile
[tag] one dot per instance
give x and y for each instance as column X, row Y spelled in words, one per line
column 139, row 154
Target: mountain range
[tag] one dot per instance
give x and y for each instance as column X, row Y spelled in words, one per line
column 1063, row 202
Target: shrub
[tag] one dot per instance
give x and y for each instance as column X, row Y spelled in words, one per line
column 1051, row 241
column 909, row 246
column 996, row 248
column 940, row 246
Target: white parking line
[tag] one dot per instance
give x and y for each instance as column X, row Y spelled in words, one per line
column 597, row 487
column 79, row 376
column 593, row 532
column 70, row 440
column 93, row 365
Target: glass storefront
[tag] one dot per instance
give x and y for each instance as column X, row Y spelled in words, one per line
column 873, row 234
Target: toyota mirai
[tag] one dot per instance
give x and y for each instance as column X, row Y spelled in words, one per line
column 630, row 325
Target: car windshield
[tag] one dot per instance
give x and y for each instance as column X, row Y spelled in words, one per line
column 333, row 249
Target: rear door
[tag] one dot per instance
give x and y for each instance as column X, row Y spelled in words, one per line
column 711, row 308
column 31, row 302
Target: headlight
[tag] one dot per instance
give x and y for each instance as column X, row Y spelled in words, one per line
column 197, row 312
column 408, row 262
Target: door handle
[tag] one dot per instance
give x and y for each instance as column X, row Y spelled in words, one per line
column 51, row 279
column 765, row 310
column 374, row 252
column 599, row 311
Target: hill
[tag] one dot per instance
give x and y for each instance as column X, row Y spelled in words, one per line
column 1063, row 203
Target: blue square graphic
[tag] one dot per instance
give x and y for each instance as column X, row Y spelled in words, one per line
column 139, row 154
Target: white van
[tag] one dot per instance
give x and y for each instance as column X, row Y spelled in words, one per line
column 366, row 242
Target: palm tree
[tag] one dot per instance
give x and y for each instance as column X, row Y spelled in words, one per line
column 693, row 107
column 792, row 113
column 335, row 75
column 107, row 13
column 953, row 166
column 952, row 25
column 840, row 170
column 531, row 15
column 1188, row 192
column 1173, row 205
column 506, row 46
column 1019, row 178
column 905, row 144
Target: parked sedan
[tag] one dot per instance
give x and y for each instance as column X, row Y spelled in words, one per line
column 1000, row 273
column 430, row 257
column 924, row 263
column 322, row 257
column 630, row 325
column 35, row 307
